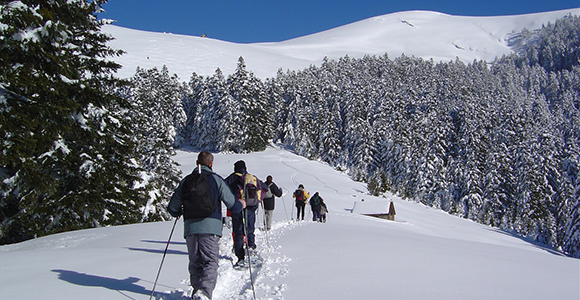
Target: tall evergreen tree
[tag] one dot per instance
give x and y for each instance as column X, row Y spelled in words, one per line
column 157, row 120
column 67, row 156
column 248, row 121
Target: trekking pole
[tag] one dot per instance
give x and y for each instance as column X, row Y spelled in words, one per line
column 292, row 213
column 245, row 229
column 163, row 259
column 284, row 203
column 265, row 227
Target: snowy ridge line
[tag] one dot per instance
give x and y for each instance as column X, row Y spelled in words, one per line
column 432, row 35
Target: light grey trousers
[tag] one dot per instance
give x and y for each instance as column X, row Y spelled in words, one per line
column 268, row 218
column 203, row 252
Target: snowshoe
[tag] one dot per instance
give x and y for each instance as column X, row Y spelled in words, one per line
column 242, row 264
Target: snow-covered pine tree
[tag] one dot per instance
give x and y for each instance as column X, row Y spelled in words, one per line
column 193, row 92
column 215, row 93
column 67, row 157
column 276, row 108
column 247, row 124
column 158, row 118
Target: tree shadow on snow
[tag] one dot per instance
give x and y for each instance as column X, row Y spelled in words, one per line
column 161, row 251
column 530, row 241
column 120, row 285
column 164, row 242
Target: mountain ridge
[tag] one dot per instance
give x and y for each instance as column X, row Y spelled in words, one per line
column 425, row 34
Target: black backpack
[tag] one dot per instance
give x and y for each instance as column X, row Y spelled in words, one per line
column 299, row 195
column 198, row 201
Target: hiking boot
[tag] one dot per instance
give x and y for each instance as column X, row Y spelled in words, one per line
column 241, row 264
column 253, row 246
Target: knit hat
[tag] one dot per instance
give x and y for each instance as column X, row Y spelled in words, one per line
column 239, row 166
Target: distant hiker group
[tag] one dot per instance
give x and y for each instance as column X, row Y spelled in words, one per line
column 317, row 205
column 199, row 197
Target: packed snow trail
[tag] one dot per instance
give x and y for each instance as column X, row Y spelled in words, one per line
column 236, row 284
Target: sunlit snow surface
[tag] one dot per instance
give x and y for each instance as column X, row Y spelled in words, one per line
column 423, row 254
column 414, row 33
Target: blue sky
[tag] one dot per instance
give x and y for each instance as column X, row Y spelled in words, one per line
column 248, row 21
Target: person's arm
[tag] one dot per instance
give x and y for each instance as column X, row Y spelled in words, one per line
column 276, row 190
column 227, row 197
column 264, row 187
column 175, row 204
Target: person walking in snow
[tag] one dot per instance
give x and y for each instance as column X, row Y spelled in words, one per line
column 315, row 205
column 269, row 201
column 202, row 233
column 301, row 197
column 243, row 222
column 323, row 211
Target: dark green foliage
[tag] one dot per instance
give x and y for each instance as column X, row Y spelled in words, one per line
column 66, row 159
column 498, row 144
column 231, row 115
column 157, row 121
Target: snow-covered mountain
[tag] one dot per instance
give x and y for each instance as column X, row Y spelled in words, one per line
column 424, row 254
column 414, row 33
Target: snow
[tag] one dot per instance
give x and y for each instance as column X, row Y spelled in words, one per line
column 413, row 33
column 424, row 254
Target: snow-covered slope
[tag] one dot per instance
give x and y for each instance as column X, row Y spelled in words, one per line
column 424, row 254
column 415, row 33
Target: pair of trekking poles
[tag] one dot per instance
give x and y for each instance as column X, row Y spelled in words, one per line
column 244, row 227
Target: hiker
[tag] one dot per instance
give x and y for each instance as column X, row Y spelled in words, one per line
column 301, row 197
column 243, row 222
column 323, row 211
column 315, row 205
column 272, row 192
column 202, row 233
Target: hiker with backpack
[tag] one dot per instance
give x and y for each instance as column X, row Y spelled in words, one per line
column 316, row 205
column 301, row 197
column 269, row 199
column 249, row 188
column 323, row 211
column 198, row 198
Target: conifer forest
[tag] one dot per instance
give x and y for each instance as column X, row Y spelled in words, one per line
column 495, row 142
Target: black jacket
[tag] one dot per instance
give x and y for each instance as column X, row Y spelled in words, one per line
column 276, row 192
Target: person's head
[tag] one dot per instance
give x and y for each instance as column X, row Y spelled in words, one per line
column 269, row 178
column 240, row 166
column 301, row 186
column 205, row 158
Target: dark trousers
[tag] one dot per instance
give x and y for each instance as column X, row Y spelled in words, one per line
column 238, row 229
column 316, row 214
column 300, row 208
column 203, row 250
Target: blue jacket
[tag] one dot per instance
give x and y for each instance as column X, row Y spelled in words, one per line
column 212, row 224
